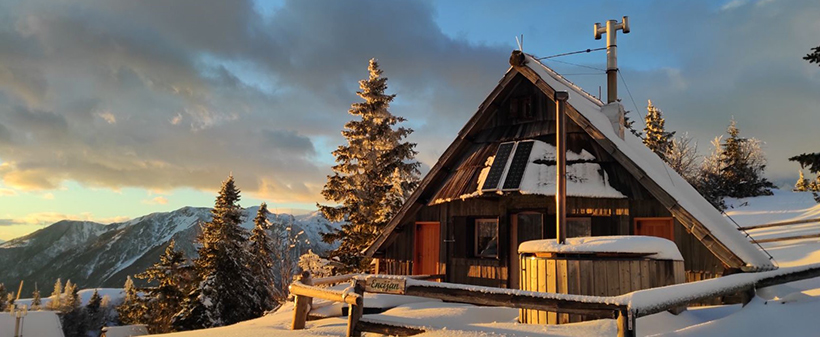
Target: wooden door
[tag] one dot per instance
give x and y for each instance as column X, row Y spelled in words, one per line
column 425, row 258
column 658, row 227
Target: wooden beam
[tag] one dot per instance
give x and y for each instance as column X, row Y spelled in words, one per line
column 384, row 328
column 301, row 304
column 300, row 289
column 510, row 300
column 788, row 238
column 782, row 223
column 354, row 313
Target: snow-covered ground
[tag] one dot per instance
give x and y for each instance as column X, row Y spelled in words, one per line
column 786, row 310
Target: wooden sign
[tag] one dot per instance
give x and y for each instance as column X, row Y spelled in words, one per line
column 385, row 285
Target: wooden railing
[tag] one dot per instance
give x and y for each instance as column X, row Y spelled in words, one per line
column 626, row 308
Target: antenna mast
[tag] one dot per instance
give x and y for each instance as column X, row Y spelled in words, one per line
column 611, row 28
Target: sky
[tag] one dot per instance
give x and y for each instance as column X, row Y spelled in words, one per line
column 111, row 110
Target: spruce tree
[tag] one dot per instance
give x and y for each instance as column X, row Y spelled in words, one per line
column 262, row 262
column 742, row 166
column 656, row 138
column 374, row 173
column 629, row 125
column 36, row 301
column 72, row 319
column 3, row 293
column 709, row 182
column 802, row 184
column 171, row 283
column 55, row 303
column 225, row 291
column 131, row 310
column 94, row 316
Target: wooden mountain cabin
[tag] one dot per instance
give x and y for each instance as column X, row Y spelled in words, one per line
column 495, row 186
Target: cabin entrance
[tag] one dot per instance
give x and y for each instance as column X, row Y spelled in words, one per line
column 658, row 227
column 425, row 259
column 524, row 226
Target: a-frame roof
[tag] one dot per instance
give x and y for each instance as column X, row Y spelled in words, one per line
column 683, row 201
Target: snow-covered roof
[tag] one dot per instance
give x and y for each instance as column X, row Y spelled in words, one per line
column 585, row 177
column 34, row 323
column 655, row 169
column 659, row 248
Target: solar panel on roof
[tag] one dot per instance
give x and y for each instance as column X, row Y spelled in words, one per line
column 519, row 163
column 499, row 163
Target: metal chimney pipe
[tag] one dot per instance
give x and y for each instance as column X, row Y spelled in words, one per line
column 561, row 98
column 612, row 26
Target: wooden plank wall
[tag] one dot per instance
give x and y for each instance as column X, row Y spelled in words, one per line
column 598, row 277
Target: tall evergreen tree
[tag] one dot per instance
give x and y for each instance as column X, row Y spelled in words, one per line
column 742, row 166
column 131, row 310
column 709, row 182
column 3, row 297
column 802, row 184
column 374, row 173
column 656, row 137
column 55, row 303
column 71, row 298
column 71, row 317
column 171, row 283
column 225, row 290
column 262, row 262
column 36, row 301
column 94, row 317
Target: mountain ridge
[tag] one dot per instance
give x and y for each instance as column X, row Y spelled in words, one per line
column 98, row 255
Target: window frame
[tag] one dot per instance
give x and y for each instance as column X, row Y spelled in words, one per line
column 476, row 242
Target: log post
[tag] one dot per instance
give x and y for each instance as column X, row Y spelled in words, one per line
column 626, row 324
column 354, row 312
column 561, row 98
column 301, row 304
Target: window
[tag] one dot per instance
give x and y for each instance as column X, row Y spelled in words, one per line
column 486, row 237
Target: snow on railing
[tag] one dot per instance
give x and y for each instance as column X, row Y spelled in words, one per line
column 626, row 308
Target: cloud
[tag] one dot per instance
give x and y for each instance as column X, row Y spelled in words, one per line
column 141, row 94
column 159, row 200
column 7, row 222
column 6, row 192
column 48, row 196
column 48, row 218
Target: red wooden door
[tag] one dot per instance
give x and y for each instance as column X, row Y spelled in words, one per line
column 659, row 227
column 425, row 260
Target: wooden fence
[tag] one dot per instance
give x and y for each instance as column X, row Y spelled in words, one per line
column 626, row 308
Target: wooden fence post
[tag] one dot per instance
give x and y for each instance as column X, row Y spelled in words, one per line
column 626, row 324
column 354, row 312
column 301, row 304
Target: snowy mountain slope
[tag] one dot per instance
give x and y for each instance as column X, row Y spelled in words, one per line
column 97, row 255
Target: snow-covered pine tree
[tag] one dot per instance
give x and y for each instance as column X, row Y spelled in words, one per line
column 262, row 261
column 802, row 184
column 315, row 264
column 3, row 293
column 131, row 310
column 55, row 303
column 171, row 283
column 10, row 300
column 709, row 180
column 682, row 156
column 71, row 318
column 655, row 136
column 225, row 291
column 814, row 186
column 375, row 171
column 94, row 316
column 742, row 166
column 36, row 301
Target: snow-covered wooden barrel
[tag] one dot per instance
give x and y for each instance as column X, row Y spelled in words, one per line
column 599, row 266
